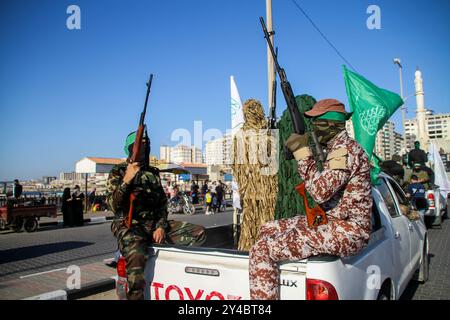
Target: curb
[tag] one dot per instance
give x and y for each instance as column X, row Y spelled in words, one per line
column 88, row 220
column 73, row 294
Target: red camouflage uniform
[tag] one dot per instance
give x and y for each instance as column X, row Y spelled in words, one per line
column 344, row 194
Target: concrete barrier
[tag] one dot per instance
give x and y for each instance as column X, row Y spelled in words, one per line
column 52, row 295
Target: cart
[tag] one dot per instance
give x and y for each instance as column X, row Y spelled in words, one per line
column 17, row 216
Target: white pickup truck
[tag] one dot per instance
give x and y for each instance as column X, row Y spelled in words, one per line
column 397, row 251
column 437, row 207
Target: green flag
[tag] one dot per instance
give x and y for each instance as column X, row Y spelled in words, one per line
column 372, row 107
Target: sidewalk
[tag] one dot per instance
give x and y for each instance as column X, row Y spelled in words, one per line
column 94, row 277
column 90, row 217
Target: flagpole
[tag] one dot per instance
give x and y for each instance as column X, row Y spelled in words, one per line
column 270, row 63
column 403, row 107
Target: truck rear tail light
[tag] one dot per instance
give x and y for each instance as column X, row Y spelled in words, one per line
column 431, row 200
column 122, row 268
column 320, row 290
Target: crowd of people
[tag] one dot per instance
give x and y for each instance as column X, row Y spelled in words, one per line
column 412, row 173
column 210, row 194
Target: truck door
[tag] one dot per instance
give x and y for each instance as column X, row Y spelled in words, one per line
column 400, row 237
column 415, row 247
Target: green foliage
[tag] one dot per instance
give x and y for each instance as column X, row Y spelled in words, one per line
column 289, row 203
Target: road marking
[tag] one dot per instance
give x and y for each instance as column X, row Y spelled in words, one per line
column 40, row 273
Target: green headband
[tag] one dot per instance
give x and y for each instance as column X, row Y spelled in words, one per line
column 131, row 138
column 334, row 115
column 129, row 141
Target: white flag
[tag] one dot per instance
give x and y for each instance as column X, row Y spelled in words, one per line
column 237, row 117
column 237, row 121
column 440, row 176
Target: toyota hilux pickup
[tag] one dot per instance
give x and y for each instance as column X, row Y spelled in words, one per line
column 396, row 253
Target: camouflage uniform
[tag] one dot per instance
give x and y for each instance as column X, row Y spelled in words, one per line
column 150, row 213
column 343, row 190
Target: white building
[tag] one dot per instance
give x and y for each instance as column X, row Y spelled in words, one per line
column 385, row 142
column 181, row 153
column 71, row 176
column 218, row 151
column 96, row 165
column 164, row 153
column 437, row 128
column 196, row 155
column 399, row 143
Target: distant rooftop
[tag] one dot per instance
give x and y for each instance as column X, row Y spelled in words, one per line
column 193, row 165
column 106, row 160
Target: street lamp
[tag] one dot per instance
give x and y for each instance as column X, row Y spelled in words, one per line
column 403, row 107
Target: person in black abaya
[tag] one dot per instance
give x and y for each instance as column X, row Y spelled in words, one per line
column 66, row 208
column 77, row 206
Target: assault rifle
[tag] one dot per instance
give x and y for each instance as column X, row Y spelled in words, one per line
column 137, row 149
column 315, row 216
column 273, row 106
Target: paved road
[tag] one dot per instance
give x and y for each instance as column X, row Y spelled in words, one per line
column 438, row 284
column 54, row 247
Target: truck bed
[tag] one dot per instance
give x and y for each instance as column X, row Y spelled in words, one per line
column 214, row 271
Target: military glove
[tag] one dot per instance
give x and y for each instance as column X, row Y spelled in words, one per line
column 298, row 144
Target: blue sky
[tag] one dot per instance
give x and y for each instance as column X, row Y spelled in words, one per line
column 66, row 94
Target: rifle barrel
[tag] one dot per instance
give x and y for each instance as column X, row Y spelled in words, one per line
column 149, row 84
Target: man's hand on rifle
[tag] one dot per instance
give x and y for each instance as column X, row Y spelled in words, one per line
column 158, row 235
column 130, row 173
column 298, row 144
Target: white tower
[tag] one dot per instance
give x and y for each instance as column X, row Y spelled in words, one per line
column 421, row 112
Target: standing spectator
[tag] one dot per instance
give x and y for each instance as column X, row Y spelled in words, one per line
column 214, row 202
column 92, row 197
column 194, row 192
column 17, row 190
column 417, row 155
column 219, row 194
column 77, row 206
column 167, row 189
column 416, row 191
column 208, row 201
column 204, row 190
column 213, row 188
column 66, row 208
column 174, row 191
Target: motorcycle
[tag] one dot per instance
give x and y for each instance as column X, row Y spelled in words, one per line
column 181, row 203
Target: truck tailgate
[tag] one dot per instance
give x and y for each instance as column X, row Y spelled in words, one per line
column 206, row 274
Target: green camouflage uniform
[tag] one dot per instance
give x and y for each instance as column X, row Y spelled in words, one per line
column 150, row 213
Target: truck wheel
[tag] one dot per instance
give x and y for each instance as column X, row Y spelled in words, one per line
column 447, row 207
column 18, row 224
column 31, row 224
column 424, row 270
column 384, row 294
